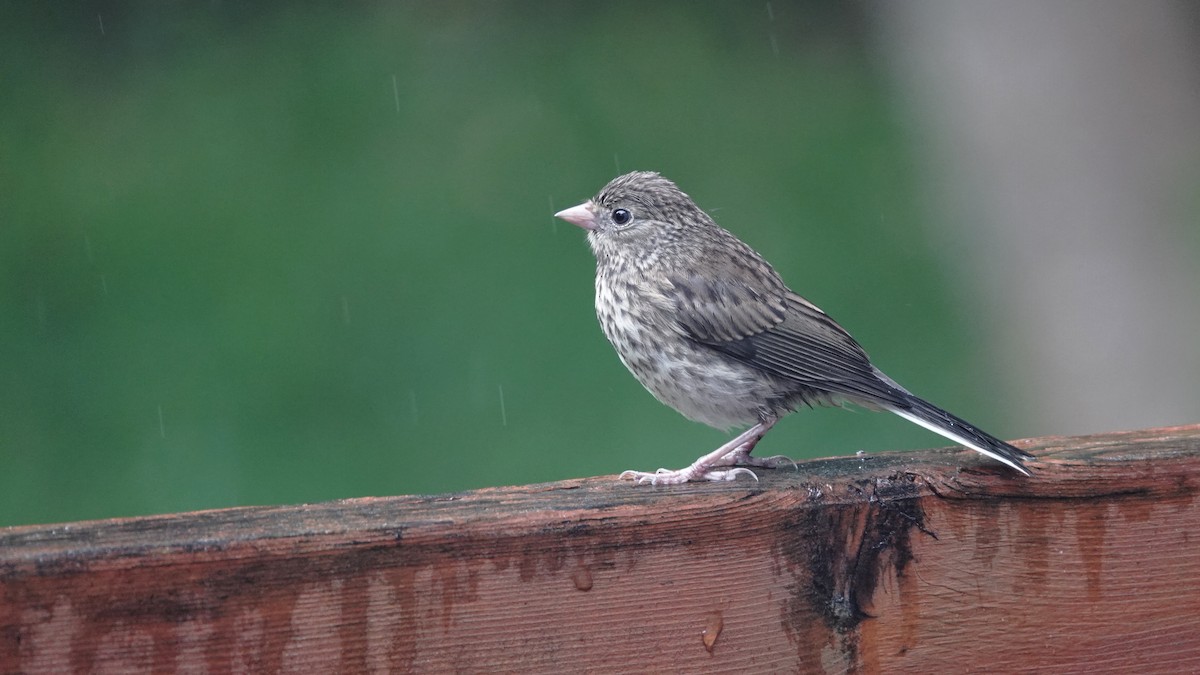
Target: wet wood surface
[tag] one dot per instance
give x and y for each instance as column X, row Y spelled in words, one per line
column 932, row 561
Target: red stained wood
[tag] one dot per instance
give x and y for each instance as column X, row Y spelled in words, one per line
column 933, row 561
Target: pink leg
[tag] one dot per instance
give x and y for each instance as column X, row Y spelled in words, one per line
column 736, row 451
column 740, row 456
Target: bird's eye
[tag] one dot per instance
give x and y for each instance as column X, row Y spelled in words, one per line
column 621, row 216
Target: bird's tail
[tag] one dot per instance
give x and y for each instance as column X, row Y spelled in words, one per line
column 933, row 418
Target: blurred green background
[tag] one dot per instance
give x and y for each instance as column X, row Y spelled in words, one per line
column 269, row 254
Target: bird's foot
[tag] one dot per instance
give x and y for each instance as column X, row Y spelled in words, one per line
column 710, row 467
column 729, row 474
column 742, row 457
column 679, row 476
column 775, row 462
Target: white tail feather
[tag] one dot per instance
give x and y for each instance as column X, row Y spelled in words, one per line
column 959, row 439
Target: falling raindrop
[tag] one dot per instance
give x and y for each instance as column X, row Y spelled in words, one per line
column 162, row 427
column 345, row 310
column 396, row 92
column 41, row 310
column 774, row 43
column 101, row 23
column 617, row 162
column 503, row 412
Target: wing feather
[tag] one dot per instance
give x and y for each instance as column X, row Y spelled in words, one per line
column 766, row 326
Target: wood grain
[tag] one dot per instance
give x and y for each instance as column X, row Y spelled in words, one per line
column 931, row 561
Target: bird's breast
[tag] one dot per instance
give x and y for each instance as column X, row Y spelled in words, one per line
column 692, row 378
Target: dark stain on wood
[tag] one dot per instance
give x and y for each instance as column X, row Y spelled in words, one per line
column 848, row 550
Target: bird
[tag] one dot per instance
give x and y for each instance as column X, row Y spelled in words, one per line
column 709, row 327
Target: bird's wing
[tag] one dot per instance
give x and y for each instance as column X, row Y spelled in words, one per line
column 779, row 332
column 715, row 311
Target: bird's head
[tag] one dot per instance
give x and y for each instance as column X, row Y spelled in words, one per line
column 637, row 214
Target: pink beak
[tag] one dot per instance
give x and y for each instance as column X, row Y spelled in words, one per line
column 582, row 215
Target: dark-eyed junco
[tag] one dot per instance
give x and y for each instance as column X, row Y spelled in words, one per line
column 704, row 323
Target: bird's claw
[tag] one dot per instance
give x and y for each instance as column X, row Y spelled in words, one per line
column 730, row 474
column 741, row 457
column 676, row 477
column 776, row 462
column 663, row 476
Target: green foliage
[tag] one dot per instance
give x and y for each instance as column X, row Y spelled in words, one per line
column 288, row 255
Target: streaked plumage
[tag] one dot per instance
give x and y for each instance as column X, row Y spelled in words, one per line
column 709, row 328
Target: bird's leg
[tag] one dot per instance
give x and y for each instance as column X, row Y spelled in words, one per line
column 740, row 456
column 734, row 452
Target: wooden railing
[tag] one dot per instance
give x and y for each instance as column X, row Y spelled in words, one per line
column 932, row 561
